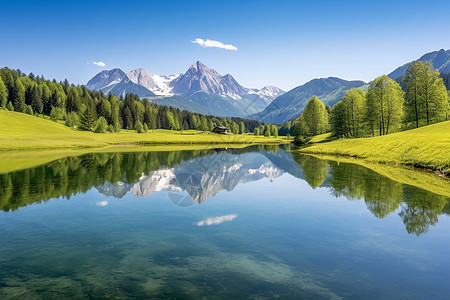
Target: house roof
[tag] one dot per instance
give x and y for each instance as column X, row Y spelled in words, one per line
column 221, row 127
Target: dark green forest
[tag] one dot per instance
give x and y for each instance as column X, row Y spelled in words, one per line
column 81, row 108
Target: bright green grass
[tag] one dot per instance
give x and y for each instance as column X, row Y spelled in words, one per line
column 320, row 138
column 427, row 147
column 24, row 132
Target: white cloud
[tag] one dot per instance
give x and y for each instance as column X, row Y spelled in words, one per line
column 213, row 44
column 102, row 203
column 99, row 63
column 217, row 220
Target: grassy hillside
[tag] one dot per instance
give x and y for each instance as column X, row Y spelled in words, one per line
column 427, row 147
column 24, row 132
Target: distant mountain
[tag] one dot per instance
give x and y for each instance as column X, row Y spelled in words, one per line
column 200, row 89
column 269, row 92
column 159, row 85
column 439, row 59
column 200, row 78
column 291, row 104
column 126, row 86
column 105, row 79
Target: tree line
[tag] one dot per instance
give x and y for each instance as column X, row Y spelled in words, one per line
column 81, row 108
column 419, row 98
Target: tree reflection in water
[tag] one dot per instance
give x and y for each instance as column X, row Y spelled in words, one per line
column 203, row 173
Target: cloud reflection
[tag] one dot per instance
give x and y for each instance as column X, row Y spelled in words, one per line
column 217, row 220
column 102, row 203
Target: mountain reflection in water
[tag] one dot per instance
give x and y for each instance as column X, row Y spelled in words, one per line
column 193, row 177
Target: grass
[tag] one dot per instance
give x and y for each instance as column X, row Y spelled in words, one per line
column 320, row 138
column 24, row 132
column 425, row 147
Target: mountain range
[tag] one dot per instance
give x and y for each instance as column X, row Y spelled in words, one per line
column 199, row 89
column 203, row 90
column 440, row 60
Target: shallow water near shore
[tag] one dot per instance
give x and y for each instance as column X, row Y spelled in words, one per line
column 253, row 223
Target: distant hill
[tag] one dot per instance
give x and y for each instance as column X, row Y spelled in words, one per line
column 291, row 104
column 439, row 59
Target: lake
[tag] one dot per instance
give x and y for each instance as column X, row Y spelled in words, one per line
column 253, row 223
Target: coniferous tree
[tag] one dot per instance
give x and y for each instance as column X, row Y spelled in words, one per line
column 241, row 128
column 88, row 117
column 19, row 96
column 36, row 99
column 3, row 93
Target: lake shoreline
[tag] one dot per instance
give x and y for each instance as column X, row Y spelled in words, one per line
column 14, row 160
column 391, row 163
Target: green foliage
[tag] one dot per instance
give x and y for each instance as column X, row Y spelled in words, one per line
column 101, row 126
column 301, row 140
column 20, row 90
column 9, row 106
column 274, row 131
column 88, row 117
column 338, row 120
column 19, row 96
column 234, row 128
column 241, row 128
column 267, row 133
column 145, row 127
column 72, row 120
column 3, row 93
column 315, row 117
column 384, row 105
column 139, row 127
column 29, row 110
column 354, row 102
column 256, row 131
column 36, row 98
column 426, row 96
column 56, row 114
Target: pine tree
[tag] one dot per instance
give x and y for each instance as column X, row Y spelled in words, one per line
column 88, row 117
column 19, row 96
column 3, row 93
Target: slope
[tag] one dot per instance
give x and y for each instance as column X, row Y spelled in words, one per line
column 426, row 147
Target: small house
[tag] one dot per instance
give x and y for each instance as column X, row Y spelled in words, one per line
column 220, row 130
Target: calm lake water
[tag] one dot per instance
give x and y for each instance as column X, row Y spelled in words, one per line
column 254, row 223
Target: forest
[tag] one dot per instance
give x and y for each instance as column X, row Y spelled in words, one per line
column 80, row 108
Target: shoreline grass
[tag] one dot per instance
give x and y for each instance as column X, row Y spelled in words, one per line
column 426, row 147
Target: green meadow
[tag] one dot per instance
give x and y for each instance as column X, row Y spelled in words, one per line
column 425, row 147
column 20, row 131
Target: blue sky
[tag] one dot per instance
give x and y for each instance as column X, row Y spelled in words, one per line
column 284, row 43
